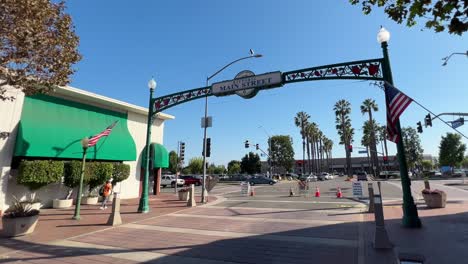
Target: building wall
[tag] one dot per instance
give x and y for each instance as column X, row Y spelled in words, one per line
column 9, row 119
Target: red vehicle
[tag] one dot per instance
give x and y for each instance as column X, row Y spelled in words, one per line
column 191, row 180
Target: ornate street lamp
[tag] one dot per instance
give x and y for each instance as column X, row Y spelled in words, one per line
column 252, row 55
column 410, row 212
column 84, row 144
column 143, row 206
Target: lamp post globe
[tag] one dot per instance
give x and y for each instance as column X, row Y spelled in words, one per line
column 152, row 84
column 85, row 142
column 383, row 35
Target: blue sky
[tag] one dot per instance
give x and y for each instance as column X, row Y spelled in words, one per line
column 180, row 43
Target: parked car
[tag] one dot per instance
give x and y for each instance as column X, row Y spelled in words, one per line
column 458, row 173
column 261, row 180
column 362, row 176
column 311, row 177
column 170, row 180
column 189, row 180
column 327, row 176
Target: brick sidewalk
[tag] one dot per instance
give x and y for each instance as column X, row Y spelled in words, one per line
column 442, row 239
column 57, row 224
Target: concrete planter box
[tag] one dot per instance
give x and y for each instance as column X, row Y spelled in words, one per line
column 89, row 200
column 435, row 200
column 58, row 204
column 19, row 226
column 183, row 196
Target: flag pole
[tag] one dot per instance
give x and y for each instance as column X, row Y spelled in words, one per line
column 410, row 212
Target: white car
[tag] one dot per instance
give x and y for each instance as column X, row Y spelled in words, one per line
column 327, row 176
column 311, row 177
column 170, row 180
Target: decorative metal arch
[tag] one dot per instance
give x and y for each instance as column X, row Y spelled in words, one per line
column 355, row 70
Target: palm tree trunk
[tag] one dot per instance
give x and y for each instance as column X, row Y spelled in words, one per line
column 321, row 155
column 368, row 160
column 318, row 154
column 373, row 147
column 303, row 152
column 308, row 156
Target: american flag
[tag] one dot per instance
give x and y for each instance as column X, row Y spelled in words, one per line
column 94, row 139
column 397, row 102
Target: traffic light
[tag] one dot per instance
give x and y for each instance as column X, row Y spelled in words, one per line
column 428, row 120
column 208, row 147
column 420, row 130
column 247, row 144
column 182, row 152
column 385, row 159
column 257, row 146
column 350, row 148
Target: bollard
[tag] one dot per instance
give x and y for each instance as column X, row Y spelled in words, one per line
column 370, row 188
column 114, row 218
column 426, row 184
column 191, row 201
column 381, row 240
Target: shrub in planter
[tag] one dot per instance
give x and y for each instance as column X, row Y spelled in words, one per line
column 120, row 173
column 184, row 194
column 72, row 174
column 19, row 219
column 98, row 173
column 35, row 174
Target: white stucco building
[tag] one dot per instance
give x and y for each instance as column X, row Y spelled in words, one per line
column 51, row 127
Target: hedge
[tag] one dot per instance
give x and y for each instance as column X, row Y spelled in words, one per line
column 120, row 173
column 98, row 173
column 38, row 173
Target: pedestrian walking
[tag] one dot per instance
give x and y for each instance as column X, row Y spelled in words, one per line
column 106, row 191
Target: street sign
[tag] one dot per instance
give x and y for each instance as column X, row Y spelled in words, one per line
column 362, row 151
column 262, row 81
column 357, row 189
column 245, row 186
column 459, row 122
column 208, row 122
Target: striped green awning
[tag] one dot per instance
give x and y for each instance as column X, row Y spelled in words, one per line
column 53, row 127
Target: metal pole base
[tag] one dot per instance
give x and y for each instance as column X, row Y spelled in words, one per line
column 205, row 195
column 411, row 221
column 381, row 240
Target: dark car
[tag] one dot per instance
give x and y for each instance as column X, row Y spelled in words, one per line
column 261, row 180
column 191, row 180
column 362, row 176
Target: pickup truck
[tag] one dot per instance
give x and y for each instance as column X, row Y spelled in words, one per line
column 170, row 180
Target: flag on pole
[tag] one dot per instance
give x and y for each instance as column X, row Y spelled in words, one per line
column 396, row 102
column 94, row 139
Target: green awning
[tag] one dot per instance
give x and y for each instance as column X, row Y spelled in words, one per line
column 159, row 156
column 53, row 127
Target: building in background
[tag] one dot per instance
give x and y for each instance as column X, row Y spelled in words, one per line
column 51, row 127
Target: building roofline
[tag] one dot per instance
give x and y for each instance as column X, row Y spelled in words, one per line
column 106, row 101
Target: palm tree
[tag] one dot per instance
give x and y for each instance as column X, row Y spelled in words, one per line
column 320, row 141
column 328, row 145
column 311, row 129
column 301, row 120
column 366, row 140
column 368, row 106
column 342, row 110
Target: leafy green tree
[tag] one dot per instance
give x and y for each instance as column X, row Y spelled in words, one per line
column 196, row 165
column 282, row 152
column 451, row 150
column 250, row 163
column 413, row 149
column 427, row 165
column 234, row 167
column 38, row 46
column 465, row 162
column 342, row 110
column 173, row 161
column 439, row 15
column 220, row 169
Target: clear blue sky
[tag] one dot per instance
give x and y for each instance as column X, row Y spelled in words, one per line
column 124, row 43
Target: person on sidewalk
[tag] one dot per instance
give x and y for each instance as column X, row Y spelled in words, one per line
column 106, row 191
